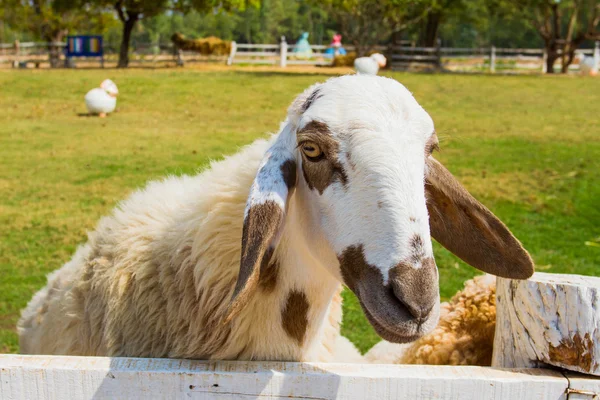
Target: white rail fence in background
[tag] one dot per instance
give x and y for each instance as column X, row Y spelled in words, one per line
column 283, row 54
column 491, row 59
column 402, row 57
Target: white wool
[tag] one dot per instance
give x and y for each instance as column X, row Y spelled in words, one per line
column 369, row 65
column 157, row 276
column 366, row 66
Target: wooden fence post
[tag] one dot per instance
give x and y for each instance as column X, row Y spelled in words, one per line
column 596, row 57
column 17, row 54
column 283, row 53
column 232, row 53
column 438, row 52
column 544, row 61
column 493, row 60
column 550, row 319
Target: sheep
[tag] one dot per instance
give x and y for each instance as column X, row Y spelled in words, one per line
column 464, row 335
column 369, row 65
column 245, row 260
column 586, row 65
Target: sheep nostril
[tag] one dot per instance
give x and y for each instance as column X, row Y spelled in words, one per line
column 419, row 311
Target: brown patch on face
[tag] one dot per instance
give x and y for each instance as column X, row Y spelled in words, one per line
column 413, row 219
column 259, row 231
column 311, row 99
column 354, row 267
column 417, row 249
column 468, row 229
column 387, row 313
column 417, row 288
column 288, row 170
column 577, row 352
column 322, row 173
column 295, row 316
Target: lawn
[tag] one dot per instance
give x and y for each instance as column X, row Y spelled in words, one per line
column 527, row 147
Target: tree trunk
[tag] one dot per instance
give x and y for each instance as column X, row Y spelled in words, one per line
column 429, row 31
column 552, row 57
column 128, row 25
column 567, row 61
column 53, row 50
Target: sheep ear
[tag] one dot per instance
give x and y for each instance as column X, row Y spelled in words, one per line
column 468, row 229
column 264, row 217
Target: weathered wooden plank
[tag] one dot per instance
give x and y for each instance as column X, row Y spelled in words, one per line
column 414, row 57
column 52, row 377
column 549, row 319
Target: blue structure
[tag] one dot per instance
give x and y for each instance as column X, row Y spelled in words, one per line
column 85, row 46
column 302, row 48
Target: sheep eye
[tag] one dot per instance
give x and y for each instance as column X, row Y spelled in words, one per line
column 312, row 151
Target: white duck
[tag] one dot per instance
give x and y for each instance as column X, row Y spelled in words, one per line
column 102, row 100
column 586, row 65
column 370, row 65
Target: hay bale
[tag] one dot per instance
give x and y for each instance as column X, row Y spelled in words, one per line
column 348, row 59
column 206, row 46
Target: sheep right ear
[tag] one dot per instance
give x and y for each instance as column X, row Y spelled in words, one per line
column 264, row 217
column 468, row 229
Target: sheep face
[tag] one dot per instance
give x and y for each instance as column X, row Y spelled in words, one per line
column 355, row 154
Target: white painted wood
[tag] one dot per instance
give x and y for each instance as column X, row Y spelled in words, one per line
column 283, row 53
column 596, row 57
column 232, row 53
column 583, row 387
column 55, row 377
column 493, row 60
column 551, row 319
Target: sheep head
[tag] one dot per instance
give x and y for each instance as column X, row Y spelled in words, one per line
column 356, row 154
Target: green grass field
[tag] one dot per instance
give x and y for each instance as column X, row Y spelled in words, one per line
column 527, row 147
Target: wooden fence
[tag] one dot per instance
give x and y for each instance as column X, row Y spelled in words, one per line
column 401, row 57
column 63, row 378
column 549, row 320
column 491, row 59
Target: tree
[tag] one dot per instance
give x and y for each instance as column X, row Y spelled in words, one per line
column 564, row 25
column 365, row 23
column 437, row 11
column 49, row 21
column 132, row 11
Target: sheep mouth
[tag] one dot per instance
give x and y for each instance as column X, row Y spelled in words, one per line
column 385, row 309
column 391, row 319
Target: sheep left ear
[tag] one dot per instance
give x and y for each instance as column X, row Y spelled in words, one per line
column 468, row 229
column 264, row 217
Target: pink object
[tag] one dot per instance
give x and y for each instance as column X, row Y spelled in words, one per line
column 337, row 40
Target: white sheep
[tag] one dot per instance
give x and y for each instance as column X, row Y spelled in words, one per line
column 339, row 195
column 586, row 65
column 369, row 65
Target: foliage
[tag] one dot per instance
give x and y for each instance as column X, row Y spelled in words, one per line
column 563, row 25
column 366, row 23
column 525, row 146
